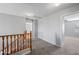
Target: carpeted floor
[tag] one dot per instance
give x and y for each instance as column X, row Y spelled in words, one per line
column 71, row 47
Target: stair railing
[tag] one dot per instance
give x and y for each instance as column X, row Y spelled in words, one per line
column 16, row 42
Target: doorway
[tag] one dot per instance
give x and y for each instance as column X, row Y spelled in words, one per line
column 71, row 37
column 28, row 26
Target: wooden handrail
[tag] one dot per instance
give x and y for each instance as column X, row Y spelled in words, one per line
column 17, row 42
column 9, row 35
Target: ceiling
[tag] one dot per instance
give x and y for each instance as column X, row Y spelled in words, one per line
column 32, row 10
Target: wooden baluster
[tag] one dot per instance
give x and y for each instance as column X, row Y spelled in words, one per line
column 23, row 41
column 7, row 44
column 2, row 45
column 11, row 44
column 26, row 39
column 14, row 43
column 31, row 41
column 20, row 43
column 17, row 42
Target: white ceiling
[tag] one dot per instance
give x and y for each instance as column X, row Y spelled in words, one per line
column 72, row 17
column 32, row 10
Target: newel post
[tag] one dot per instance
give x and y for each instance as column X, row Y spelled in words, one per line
column 31, row 40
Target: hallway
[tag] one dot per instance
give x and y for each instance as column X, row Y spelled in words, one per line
column 20, row 23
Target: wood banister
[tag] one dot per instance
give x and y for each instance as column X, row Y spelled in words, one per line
column 16, row 43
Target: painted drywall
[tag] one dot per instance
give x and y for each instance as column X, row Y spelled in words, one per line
column 35, row 29
column 51, row 28
column 72, row 28
column 11, row 24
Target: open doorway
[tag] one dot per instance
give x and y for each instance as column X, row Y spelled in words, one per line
column 28, row 26
column 71, row 41
column 72, row 25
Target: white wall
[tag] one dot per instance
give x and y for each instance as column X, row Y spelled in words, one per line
column 35, row 29
column 50, row 28
column 11, row 24
column 72, row 28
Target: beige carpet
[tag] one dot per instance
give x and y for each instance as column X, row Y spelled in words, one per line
column 71, row 47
